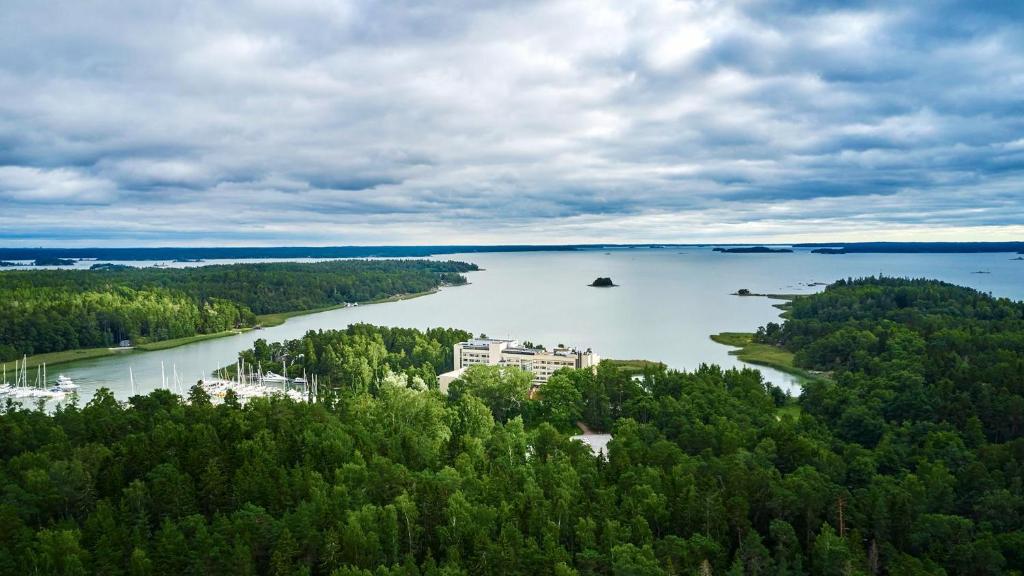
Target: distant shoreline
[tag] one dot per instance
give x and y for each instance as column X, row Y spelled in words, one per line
column 912, row 247
column 170, row 253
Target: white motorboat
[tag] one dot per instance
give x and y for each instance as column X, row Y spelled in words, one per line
column 274, row 378
column 65, row 384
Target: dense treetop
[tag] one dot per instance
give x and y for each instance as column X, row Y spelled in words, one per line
column 709, row 472
column 913, row 350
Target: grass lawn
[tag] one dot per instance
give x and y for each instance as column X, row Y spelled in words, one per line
column 789, row 410
column 51, row 358
column 633, row 366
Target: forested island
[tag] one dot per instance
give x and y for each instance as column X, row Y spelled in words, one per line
column 52, row 261
column 45, row 311
column 602, row 282
column 752, row 250
column 908, row 460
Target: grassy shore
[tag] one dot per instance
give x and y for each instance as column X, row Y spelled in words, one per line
column 53, row 358
column 175, row 342
column 278, row 318
column 762, row 354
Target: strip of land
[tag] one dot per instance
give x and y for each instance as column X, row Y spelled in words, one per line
column 174, row 343
column 278, row 318
column 52, row 358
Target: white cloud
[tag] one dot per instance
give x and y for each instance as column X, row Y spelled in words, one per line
column 32, row 185
column 350, row 122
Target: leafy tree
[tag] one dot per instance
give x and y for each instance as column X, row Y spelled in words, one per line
column 503, row 389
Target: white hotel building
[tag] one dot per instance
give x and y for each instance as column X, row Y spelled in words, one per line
column 540, row 362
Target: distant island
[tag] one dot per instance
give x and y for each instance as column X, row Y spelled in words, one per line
column 912, row 247
column 188, row 260
column 109, row 266
column 4, row 263
column 52, row 261
column 752, row 250
column 603, row 283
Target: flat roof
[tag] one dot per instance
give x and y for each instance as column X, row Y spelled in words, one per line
column 453, row 373
column 486, row 341
column 518, row 350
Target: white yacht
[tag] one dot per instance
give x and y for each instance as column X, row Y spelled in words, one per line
column 272, row 378
column 65, row 384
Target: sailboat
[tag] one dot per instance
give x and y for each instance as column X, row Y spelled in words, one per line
column 21, row 388
column 4, row 386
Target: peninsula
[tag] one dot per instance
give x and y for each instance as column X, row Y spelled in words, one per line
column 48, row 312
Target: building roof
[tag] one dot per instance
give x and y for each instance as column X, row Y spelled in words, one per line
column 521, row 350
column 485, row 342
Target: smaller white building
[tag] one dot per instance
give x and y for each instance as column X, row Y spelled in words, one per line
column 445, row 380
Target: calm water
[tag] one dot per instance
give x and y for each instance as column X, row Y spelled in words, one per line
column 668, row 302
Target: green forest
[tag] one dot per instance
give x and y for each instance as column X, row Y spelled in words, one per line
column 908, row 459
column 53, row 310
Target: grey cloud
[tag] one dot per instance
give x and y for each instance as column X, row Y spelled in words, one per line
column 338, row 122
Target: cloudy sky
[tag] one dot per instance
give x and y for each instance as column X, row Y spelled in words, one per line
column 186, row 122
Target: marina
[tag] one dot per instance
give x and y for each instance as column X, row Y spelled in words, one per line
column 247, row 383
column 38, row 389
